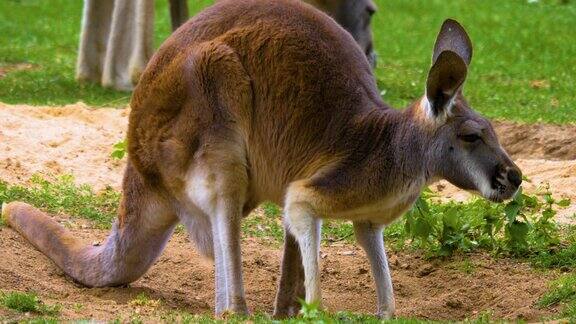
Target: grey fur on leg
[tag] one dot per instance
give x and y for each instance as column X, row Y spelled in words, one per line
column 291, row 284
column 116, row 42
column 227, row 259
column 95, row 30
column 306, row 228
column 199, row 230
column 126, row 56
column 370, row 237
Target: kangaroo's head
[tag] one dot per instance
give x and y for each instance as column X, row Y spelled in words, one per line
column 465, row 149
column 355, row 17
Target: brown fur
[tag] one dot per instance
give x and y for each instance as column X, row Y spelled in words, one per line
column 270, row 122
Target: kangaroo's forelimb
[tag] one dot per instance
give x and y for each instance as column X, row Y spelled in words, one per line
column 371, row 238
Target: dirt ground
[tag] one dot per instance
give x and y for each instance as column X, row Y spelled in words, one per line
column 182, row 280
column 78, row 140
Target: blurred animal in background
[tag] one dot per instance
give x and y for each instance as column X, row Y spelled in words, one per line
column 117, row 40
column 117, row 36
column 355, row 16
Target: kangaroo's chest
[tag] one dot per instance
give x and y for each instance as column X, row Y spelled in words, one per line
column 386, row 209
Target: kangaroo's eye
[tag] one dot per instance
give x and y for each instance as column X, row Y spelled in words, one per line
column 471, row 138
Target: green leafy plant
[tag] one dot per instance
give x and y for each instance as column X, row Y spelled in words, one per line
column 119, row 151
column 310, row 312
column 522, row 227
column 143, row 300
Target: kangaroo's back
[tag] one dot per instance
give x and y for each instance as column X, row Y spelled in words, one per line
column 298, row 81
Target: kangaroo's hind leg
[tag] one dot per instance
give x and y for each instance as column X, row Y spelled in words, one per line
column 138, row 237
column 229, row 293
column 218, row 189
column 204, row 158
column 199, row 230
column 291, row 284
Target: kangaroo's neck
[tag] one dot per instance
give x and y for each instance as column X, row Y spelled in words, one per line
column 397, row 143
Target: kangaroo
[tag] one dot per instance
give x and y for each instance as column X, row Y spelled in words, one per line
column 255, row 100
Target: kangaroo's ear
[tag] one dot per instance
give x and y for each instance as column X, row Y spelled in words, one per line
column 445, row 80
column 450, row 60
column 453, row 37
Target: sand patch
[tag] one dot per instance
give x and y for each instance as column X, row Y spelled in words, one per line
column 72, row 139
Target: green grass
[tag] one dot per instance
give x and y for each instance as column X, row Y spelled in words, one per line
column 310, row 314
column 515, row 43
column 465, row 266
column 49, row 42
column 563, row 257
column 562, row 292
column 522, row 68
column 40, row 320
column 27, row 303
column 317, row 318
column 63, row 196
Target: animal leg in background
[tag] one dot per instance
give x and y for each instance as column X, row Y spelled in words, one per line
column 116, row 42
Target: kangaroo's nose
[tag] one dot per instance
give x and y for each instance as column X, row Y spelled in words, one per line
column 515, row 177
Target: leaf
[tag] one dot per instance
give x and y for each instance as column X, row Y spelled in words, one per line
column 519, row 196
column 422, row 228
column 119, row 155
column 548, row 213
column 530, row 201
column 450, row 219
column 422, row 205
column 564, row 202
column 511, row 210
column 119, row 150
column 518, row 232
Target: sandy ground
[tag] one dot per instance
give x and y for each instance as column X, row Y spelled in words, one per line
column 61, row 140
column 77, row 140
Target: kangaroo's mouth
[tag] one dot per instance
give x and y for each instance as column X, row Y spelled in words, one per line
column 502, row 189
